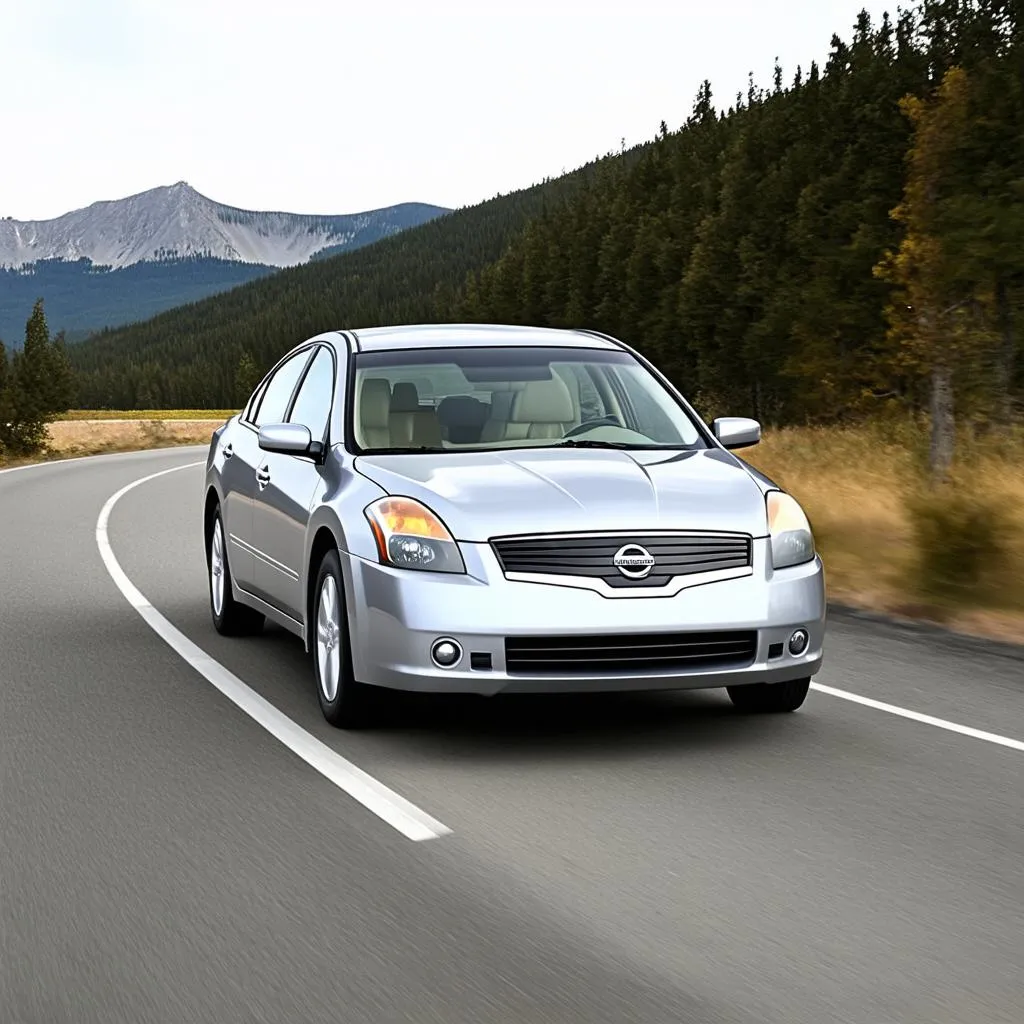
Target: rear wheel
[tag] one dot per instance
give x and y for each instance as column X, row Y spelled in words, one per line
column 229, row 616
column 770, row 698
column 343, row 701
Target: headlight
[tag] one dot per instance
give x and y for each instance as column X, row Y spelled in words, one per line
column 410, row 536
column 792, row 542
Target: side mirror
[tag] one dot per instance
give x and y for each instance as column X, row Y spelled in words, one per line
column 737, row 431
column 289, row 439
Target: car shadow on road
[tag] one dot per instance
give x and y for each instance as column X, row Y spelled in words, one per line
column 621, row 725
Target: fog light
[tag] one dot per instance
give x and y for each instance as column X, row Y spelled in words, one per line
column 445, row 653
column 798, row 642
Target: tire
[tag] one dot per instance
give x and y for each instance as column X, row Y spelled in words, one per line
column 344, row 702
column 770, row 698
column 230, row 618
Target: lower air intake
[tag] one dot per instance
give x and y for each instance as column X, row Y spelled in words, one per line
column 628, row 654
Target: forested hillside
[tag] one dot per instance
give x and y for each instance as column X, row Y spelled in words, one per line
column 824, row 248
column 89, row 298
column 748, row 254
column 190, row 357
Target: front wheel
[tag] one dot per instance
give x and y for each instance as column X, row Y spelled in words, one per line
column 229, row 617
column 770, row 698
column 343, row 701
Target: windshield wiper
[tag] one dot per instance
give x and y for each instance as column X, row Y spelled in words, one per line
column 408, row 450
column 572, row 442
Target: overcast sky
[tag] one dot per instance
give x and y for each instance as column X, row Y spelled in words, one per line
column 333, row 107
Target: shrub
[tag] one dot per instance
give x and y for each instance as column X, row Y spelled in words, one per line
column 963, row 544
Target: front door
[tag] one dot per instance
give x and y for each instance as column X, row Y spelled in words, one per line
column 238, row 479
column 287, row 486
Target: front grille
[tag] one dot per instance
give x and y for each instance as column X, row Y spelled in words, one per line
column 591, row 556
column 631, row 654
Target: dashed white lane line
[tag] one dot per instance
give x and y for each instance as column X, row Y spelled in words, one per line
column 917, row 716
column 398, row 812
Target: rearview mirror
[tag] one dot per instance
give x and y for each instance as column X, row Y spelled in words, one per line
column 737, row 431
column 288, row 439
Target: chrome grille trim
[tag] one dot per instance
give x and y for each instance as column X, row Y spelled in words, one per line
column 585, row 560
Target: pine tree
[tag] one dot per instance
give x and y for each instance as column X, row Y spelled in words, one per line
column 33, row 365
column 36, row 386
column 247, row 376
column 6, row 402
column 940, row 316
column 60, row 385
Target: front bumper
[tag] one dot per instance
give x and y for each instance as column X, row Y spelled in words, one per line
column 395, row 616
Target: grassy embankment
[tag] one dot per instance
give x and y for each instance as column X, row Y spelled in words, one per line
column 888, row 544
column 88, row 432
column 955, row 555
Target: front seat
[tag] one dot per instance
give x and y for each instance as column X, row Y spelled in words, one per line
column 462, row 417
column 375, row 413
column 410, row 423
column 543, row 408
column 501, row 405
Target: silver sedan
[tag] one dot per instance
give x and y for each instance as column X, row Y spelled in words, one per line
column 486, row 509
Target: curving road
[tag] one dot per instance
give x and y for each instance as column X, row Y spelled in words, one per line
column 166, row 858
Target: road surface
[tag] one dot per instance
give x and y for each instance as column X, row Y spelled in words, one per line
column 166, row 858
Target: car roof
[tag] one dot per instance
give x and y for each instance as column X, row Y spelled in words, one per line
column 380, row 339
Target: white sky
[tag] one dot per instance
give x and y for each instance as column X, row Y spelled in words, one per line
column 332, row 107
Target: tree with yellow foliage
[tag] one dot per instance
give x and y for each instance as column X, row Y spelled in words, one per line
column 942, row 313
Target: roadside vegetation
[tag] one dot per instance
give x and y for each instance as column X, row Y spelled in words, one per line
column 36, row 385
column 894, row 543
column 94, row 415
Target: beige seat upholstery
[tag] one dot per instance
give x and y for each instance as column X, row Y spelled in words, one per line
column 501, row 409
column 409, row 422
column 375, row 413
column 405, row 403
column 543, row 408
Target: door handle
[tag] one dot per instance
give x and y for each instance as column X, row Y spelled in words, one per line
column 263, row 477
column 228, row 451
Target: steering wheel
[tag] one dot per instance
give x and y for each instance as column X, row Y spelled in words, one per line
column 604, row 421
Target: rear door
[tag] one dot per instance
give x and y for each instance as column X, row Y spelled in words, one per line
column 287, row 485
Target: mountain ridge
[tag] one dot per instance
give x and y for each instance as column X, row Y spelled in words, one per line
column 177, row 221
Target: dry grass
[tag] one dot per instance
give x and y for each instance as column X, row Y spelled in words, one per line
column 70, row 438
column 855, row 486
column 149, row 414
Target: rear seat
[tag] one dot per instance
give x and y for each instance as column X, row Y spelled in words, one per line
column 410, row 423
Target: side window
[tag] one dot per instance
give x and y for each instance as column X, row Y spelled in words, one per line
column 313, row 403
column 274, row 403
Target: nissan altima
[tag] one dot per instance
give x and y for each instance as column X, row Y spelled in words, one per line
column 496, row 509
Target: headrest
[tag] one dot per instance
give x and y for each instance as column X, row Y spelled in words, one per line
column 542, row 401
column 405, row 397
column 501, row 404
column 375, row 402
column 462, row 411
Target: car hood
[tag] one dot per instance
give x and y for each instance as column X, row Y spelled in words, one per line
column 481, row 495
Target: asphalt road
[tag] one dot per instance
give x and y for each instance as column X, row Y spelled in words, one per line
column 644, row 859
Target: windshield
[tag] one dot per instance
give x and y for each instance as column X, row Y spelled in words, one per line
column 473, row 399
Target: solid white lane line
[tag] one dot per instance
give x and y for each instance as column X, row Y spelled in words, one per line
column 916, row 716
column 398, row 812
